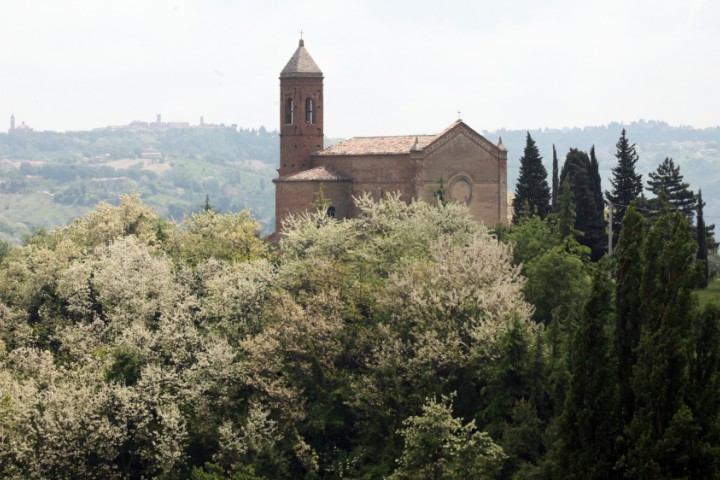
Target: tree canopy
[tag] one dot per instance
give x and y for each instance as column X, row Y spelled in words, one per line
column 532, row 192
column 626, row 182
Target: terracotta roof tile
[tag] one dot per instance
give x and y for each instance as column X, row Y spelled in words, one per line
column 318, row 174
column 379, row 145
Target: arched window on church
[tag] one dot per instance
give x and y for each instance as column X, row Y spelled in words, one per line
column 331, row 211
column 289, row 111
column 309, row 111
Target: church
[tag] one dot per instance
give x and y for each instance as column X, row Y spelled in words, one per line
column 470, row 168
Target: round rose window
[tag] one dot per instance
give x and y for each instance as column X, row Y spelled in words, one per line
column 460, row 190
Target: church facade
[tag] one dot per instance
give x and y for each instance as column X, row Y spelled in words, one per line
column 471, row 169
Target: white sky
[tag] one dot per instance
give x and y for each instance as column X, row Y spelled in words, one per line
column 391, row 67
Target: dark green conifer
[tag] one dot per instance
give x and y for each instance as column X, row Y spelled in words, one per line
column 663, row 433
column 207, row 206
column 555, row 181
column 667, row 184
column 626, row 183
column 509, row 378
column 702, row 253
column 566, row 213
column 595, row 181
column 588, row 426
column 629, row 256
column 532, row 187
column 590, row 220
column 705, row 391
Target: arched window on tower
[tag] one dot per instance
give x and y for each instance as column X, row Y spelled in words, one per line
column 309, row 111
column 289, row 111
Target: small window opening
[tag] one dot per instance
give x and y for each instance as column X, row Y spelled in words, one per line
column 289, row 111
column 331, row 211
column 309, row 111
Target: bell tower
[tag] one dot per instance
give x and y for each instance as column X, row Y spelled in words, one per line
column 301, row 112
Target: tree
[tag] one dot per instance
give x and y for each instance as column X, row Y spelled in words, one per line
column 320, row 202
column 207, row 206
column 439, row 447
column 440, row 192
column 208, row 234
column 595, row 181
column 628, row 306
column 566, row 212
column 710, row 242
column 555, row 180
column 702, row 253
column 531, row 238
column 532, row 188
column 557, row 284
column 588, row 426
column 705, row 390
column 583, row 177
column 663, row 434
column 666, row 183
column 626, row 183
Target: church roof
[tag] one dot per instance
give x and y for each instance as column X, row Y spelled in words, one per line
column 301, row 64
column 324, row 173
column 396, row 145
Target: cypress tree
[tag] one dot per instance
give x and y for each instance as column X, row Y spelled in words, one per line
column 532, row 188
column 566, row 214
column 595, row 181
column 590, row 220
column 207, row 207
column 662, row 434
column 628, row 306
column 705, row 391
column 588, row 427
column 598, row 206
column 509, row 378
column 702, row 253
column 667, row 184
column 555, row 181
column 626, row 183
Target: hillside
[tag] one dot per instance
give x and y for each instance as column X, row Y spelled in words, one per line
column 49, row 178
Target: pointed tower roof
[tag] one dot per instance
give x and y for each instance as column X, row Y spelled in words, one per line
column 301, row 64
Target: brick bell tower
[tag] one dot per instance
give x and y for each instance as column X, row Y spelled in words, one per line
column 301, row 112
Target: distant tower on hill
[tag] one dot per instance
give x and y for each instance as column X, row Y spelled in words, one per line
column 159, row 120
column 12, row 122
column 202, row 121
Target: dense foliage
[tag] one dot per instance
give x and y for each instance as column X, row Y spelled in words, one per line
column 408, row 343
column 132, row 346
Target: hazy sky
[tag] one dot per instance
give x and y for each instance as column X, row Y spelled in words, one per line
column 391, row 67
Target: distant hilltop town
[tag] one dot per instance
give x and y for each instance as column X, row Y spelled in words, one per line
column 20, row 128
column 135, row 125
column 158, row 124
